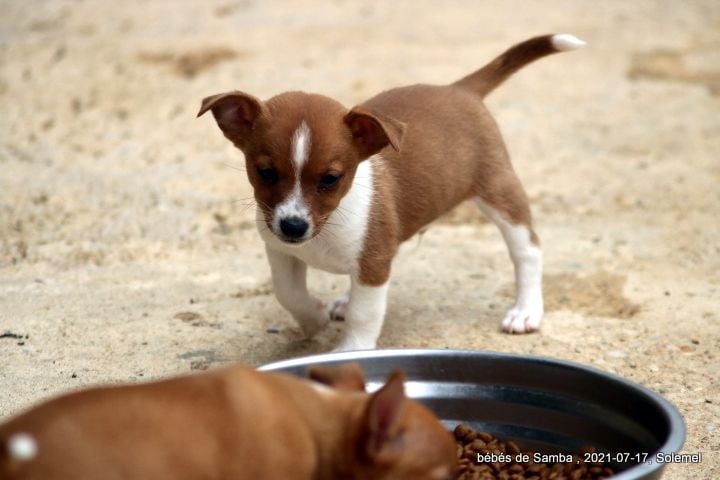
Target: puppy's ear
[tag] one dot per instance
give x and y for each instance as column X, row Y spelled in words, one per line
column 383, row 418
column 348, row 376
column 372, row 132
column 234, row 112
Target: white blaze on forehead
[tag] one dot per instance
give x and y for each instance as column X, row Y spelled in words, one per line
column 294, row 204
column 300, row 147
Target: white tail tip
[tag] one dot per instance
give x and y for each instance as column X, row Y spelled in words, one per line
column 22, row 447
column 563, row 42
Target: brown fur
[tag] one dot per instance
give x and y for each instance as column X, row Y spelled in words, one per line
column 233, row 423
column 440, row 167
column 489, row 77
column 437, row 145
column 384, row 232
column 265, row 142
column 348, row 376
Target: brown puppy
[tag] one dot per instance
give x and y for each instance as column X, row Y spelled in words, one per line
column 340, row 189
column 235, row 423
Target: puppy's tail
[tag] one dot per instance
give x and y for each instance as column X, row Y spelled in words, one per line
column 494, row 73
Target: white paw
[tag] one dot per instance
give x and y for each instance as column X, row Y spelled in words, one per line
column 349, row 344
column 524, row 318
column 338, row 308
column 314, row 321
column 349, row 347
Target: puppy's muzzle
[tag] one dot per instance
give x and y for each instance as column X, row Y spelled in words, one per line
column 294, row 228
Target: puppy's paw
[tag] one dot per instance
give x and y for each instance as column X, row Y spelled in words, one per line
column 312, row 326
column 349, row 344
column 338, row 308
column 524, row 318
column 313, row 321
column 349, row 347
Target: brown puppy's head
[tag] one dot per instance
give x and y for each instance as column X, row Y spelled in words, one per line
column 301, row 152
column 400, row 439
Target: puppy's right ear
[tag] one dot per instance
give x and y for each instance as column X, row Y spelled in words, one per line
column 383, row 420
column 235, row 113
column 371, row 132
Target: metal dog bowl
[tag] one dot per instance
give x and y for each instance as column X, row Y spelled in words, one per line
column 546, row 405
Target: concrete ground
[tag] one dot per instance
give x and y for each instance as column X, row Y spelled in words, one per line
column 128, row 249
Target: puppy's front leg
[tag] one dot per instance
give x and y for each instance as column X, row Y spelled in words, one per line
column 289, row 281
column 364, row 315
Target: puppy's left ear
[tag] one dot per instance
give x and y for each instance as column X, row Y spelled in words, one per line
column 384, row 419
column 348, row 376
column 371, row 132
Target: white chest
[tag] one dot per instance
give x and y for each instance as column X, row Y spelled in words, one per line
column 338, row 246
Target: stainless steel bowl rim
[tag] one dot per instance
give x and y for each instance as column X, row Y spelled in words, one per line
column 672, row 444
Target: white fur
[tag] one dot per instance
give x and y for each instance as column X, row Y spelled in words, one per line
column 563, row 42
column 22, row 447
column 364, row 316
column 338, row 308
column 301, row 147
column 527, row 313
column 289, row 282
column 336, row 248
column 294, row 205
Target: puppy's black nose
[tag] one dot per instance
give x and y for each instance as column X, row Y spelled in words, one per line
column 293, row 227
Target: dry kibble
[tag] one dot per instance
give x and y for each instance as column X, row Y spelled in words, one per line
column 477, row 444
column 516, row 468
column 471, row 443
column 462, row 430
column 534, row 467
column 486, row 437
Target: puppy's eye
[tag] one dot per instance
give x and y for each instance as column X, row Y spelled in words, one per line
column 328, row 181
column 269, row 175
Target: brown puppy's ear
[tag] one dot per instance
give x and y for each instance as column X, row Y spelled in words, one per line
column 348, row 376
column 372, row 132
column 383, row 419
column 234, row 112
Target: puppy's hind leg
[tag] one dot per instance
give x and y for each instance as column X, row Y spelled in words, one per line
column 507, row 206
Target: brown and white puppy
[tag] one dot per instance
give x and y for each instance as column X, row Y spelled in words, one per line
column 235, row 423
column 340, row 189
